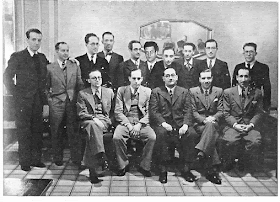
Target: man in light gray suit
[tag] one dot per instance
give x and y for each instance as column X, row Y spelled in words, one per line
column 63, row 84
column 131, row 111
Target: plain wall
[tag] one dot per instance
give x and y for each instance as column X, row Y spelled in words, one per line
column 234, row 23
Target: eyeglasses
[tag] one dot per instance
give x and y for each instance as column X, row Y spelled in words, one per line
column 249, row 52
column 95, row 78
column 212, row 48
column 170, row 75
column 136, row 78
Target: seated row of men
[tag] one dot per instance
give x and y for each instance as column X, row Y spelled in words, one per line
column 170, row 115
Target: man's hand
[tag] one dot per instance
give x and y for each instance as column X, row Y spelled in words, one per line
column 248, row 127
column 240, row 127
column 135, row 133
column 167, row 126
column 74, row 61
column 210, row 119
column 46, row 111
column 183, row 130
column 99, row 123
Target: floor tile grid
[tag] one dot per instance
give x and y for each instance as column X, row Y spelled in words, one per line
column 258, row 193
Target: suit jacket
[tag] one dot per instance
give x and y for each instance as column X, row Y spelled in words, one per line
column 114, row 70
column 175, row 112
column 28, row 82
column 259, row 78
column 188, row 78
column 59, row 88
column 101, row 64
column 200, row 108
column 235, row 113
column 123, row 104
column 220, row 73
column 127, row 66
column 86, row 104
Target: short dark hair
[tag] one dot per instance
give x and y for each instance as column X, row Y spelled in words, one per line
column 58, row 43
column 32, row 30
column 205, row 71
column 190, row 44
column 244, row 68
column 132, row 42
column 168, row 48
column 135, row 71
column 151, row 44
column 95, row 70
column 110, row 33
column 90, row 35
column 251, row 44
column 211, row 40
column 169, row 68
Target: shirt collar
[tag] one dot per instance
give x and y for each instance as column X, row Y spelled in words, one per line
column 151, row 63
column 240, row 90
column 172, row 89
column 94, row 57
column 132, row 90
column 251, row 64
column 105, row 52
column 213, row 61
column 134, row 61
column 190, row 62
column 31, row 52
column 60, row 63
column 94, row 89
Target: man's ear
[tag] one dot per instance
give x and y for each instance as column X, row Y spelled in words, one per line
column 88, row 80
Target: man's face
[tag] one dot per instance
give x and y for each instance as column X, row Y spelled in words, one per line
column 205, row 79
column 150, row 53
column 211, row 50
column 135, row 79
column 92, row 45
column 135, row 52
column 108, row 42
column 95, row 79
column 243, row 78
column 63, row 52
column 168, row 57
column 188, row 52
column 34, row 41
column 170, row 78
column 249, row 53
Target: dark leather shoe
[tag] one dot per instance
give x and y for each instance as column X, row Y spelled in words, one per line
column 188, row 176
column 123, row 171
column 163, row 177
column 58, row 163
column 105, row 165
column 94, row 179
column 39, row 165
column 200, row 159
column 144, row 172
column 214, row 178
column 25, row 168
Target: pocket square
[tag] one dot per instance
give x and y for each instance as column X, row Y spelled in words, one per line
column 215, row 100
column 254, row 102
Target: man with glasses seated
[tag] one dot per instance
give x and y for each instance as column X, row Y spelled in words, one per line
column 93, row 108
column 171, row 118
column 219, row 68
column 131, row 112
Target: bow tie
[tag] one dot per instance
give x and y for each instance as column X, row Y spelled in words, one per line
column 109, row 53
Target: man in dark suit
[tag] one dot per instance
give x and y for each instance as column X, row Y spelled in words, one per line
column 132, row 114
column 171, row 118
column 207, row 105
column 93, row 107
column 114, row 59
column 63, row 84
column 219, row 69
column 190, row 67
column 259, row 73
column 168, row 56
column 151, row 51
column 133, row 63
column 243, row 109
column 92, row 61
column 25, row 79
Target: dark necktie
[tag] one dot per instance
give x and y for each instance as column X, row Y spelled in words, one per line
column 207, row 98
column 243, row 98
column 188, row 66
column 170, row 93
column 92, row 59
column 64, row 68
column 108, row 53
column 97, row 93
column 210, row 64
column 248, row 65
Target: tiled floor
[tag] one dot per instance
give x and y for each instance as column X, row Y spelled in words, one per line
column 68, row 181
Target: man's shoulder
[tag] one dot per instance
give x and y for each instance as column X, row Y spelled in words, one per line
column 81, row 57
column 118, row 55
column 195, row 89
column 181, row 89
column 107, row 90
column 85, row 90
column 221, row 62
column 214, row 88
column 261, row 65
column 146, row 89
column 229, row 90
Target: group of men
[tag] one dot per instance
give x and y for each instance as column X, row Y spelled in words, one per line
column 168, row 103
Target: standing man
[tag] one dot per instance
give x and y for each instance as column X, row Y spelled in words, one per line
column 131, row 111
column 91, row 61
column 243, row 109
column 93, row 106
column 63, row 84
column 171, row 118
column 259, row 73
column 219, row 69
column 207, row 107
column 133, row 63
column 112, row 58
column 25, row 79
column 190, row 67
column 151, row 51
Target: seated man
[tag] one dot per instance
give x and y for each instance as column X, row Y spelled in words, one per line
column 171, row 118
column 243, row 109
column 93, row 108
column 207, row 107
column 131, row 111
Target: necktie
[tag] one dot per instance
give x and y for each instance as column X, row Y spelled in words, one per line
column 248, row 65
column 207, row 97
column 97, row 93
column 151, row 67
column 210, row 64
column 170, row 93
column 137, row 65
column 64, row 69
column 108, row 53
column 243, row 97
column 63, row 65
column 188, row 66
column 92, row 59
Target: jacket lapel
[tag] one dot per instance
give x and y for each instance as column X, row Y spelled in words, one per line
column 249, row 98
column 142, row 97
column 127, row 98
column 236, row 97
column 165, row 94
column 90, row 98
column 113, row 59
column 212, row 96
column 59, row 72
column 104, row 98
column 201, row 97
column 70, row 70
column 176, row 94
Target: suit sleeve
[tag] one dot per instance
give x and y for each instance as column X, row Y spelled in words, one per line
column 266, row 89
column 82, row 110
column 188, row 114
column 48, row 89
column 220, row 107
column 145, row 119
column 9, row 74
column 119, row 110
column 226, row 78
column 80, row 83
column 227, row 109
column 259, row 110
column 198, row 118
column 234, row 81
column 155, row 115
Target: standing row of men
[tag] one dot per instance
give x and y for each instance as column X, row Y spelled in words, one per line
column 26, row 78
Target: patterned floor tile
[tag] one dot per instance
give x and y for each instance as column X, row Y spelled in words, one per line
column 137, row 189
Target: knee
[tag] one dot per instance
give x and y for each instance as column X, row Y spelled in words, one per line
column 191, row 134
column 118, row 134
